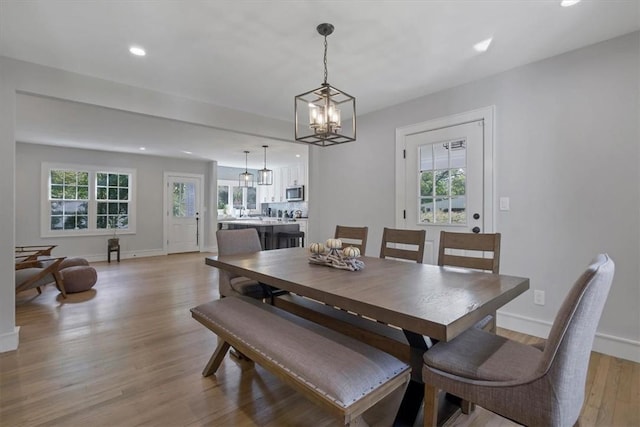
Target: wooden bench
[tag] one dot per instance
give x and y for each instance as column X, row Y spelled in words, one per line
column 343, row 375
column 384, row 337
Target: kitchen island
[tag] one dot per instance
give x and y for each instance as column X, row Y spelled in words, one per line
column 268, row 229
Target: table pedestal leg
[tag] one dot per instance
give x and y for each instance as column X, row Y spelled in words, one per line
column 414, row 394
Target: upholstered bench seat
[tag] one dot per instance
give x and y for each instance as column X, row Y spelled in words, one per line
column 342, row 374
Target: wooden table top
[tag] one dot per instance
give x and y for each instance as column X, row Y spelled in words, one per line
column 439, row 302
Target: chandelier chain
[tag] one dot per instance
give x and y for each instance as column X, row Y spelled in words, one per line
column 325, row 60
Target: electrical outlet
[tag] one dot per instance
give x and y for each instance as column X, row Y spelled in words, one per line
column 538, row 297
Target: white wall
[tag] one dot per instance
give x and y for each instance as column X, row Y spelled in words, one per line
column 148, row 239
column 567, row 156
column 22, row 77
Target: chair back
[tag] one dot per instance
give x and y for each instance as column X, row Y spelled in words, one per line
column 232, row 242
column 405, row 237
column 568, row 348
column 242, row 241
column 470, row 242
column 353, row 236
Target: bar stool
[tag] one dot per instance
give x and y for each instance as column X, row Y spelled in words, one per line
column 291, row 239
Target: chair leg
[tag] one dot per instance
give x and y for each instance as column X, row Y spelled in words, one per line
column 357, row 422
column 467, row 407
column 430, row 406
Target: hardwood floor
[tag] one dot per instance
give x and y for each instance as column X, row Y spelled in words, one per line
column 128, row 353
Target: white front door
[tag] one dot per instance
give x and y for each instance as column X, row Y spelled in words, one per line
column 444, row 182
column 184, row 205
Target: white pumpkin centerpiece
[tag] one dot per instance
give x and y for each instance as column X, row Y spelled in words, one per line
column 316, row 248
column 351, row 252
column 334, row 243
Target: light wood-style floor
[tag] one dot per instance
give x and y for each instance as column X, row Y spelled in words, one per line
column 128, row 353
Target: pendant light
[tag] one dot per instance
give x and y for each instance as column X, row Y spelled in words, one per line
column 265, row 176
column 325, row 116
column 245, row 179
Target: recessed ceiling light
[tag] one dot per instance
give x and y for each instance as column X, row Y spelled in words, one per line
column 137, row 51
column 143, row 148
column 187, row 152
column 483, row 45
column 297, row 155
column 567, row 3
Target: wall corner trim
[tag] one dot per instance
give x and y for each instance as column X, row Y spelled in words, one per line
column 9, row 340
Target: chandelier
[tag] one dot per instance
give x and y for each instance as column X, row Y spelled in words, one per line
column 325, row 116
column 265, row 176
column 245, row 179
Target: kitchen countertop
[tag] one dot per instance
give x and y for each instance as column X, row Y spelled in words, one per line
column 262, row 221
column 257, row 221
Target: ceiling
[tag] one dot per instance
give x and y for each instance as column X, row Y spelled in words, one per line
column 255, row 56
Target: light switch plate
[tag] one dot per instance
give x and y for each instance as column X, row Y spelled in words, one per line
column 504, row 203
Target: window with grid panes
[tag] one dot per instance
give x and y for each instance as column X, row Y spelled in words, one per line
column 112, row 196
column 86, row 200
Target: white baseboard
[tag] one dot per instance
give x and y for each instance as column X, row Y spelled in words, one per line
column 125, row 255
column 9, row 340
column 607, row 344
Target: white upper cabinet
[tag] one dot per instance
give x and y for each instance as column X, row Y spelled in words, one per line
column 282, row 178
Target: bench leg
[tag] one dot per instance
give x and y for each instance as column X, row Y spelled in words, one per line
column 216, row 358
column 239, row 355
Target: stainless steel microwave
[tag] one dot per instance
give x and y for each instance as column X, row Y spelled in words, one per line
column 295, row 193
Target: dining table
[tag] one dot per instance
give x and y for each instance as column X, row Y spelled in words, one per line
column 427, row 302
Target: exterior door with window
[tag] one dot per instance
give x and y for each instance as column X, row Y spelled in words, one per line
column 183, row 214
column 444, row 182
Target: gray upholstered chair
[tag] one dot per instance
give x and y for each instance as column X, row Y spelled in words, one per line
column 243, row 241
column 528, row 384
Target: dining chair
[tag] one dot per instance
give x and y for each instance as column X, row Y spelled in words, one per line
column 352, row 236
column 479, row 243
column 476, row 247
column 532, row 385
column 232, row 242
column 403, row 237
column 31, row 274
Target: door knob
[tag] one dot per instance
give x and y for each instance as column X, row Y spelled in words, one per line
column 476, row 230
column 476, row 216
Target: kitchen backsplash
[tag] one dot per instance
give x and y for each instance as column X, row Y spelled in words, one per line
column 290, row 207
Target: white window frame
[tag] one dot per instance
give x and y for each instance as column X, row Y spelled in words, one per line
column 91, row 230
column 231, row 184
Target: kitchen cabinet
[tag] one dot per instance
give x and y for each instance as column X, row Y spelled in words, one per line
column 282, row 178
column 294, row 175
